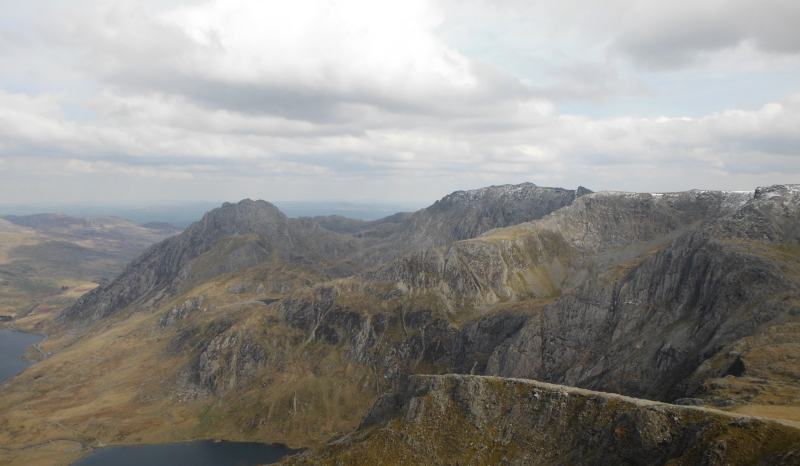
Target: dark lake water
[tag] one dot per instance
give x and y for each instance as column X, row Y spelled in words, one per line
column 12, row 346
column 202, row 453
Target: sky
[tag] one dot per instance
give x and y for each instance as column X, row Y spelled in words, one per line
column 365, row 100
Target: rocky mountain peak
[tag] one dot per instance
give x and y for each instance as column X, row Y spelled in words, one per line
column 778, row 190
column 469, row 214
column 245, row 217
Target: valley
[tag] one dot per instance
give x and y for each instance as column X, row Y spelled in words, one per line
column 252, row 326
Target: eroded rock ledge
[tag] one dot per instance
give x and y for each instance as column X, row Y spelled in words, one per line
column 459, row 419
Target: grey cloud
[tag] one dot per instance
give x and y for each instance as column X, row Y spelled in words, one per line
column 760, row 164
column 589, row 82
column 322, row 105
column 787, row 145
column 668, row 35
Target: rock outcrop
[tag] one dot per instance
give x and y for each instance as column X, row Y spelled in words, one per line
column 647, row 330
column 453, row 420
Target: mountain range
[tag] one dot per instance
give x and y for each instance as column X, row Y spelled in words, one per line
column 251, row 325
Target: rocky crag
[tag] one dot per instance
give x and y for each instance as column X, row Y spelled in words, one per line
column 453, row 420
column 640, row 294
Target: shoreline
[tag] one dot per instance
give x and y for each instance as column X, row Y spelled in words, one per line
column 13, row 327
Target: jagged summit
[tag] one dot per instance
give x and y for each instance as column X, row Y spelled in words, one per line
column 778, row 190
column 467, row 214
column 160, row 271
column 243, row 218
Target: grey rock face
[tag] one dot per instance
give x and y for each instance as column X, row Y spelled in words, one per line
column 231, row 358
column 240, row 288
column 181, row 311
column 159, row 272
column 596, row 232
column 643, row 289
column 648, row 332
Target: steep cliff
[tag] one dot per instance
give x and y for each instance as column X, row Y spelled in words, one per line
column 647, row 328
column 478, row 420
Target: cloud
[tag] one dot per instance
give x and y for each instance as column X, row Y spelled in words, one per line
column 674, row 34
column 177, row 139
column 363, row 98
column 312, row 60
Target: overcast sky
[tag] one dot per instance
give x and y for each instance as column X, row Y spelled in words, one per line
column 365, row 100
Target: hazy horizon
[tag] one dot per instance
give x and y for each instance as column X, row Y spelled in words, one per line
column 181, row 214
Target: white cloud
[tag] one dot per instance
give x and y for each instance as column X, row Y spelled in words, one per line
column 308, row 60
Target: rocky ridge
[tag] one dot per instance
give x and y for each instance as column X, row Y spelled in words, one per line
column 647, row 308
column 655, row 330
column 600, row 296
column 453, row 419
column 468, row 214
column 161, row 271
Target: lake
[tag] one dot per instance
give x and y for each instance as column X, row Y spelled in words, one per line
column 201, row 453
column 12, row 346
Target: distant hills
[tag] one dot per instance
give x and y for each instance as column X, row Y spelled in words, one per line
column 183, row 214
column 46, row 258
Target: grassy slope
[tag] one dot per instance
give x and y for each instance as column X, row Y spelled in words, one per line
column 486, row 420
column 121, row 382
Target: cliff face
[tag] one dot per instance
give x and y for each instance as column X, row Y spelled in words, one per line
column 478, row 420
column 645, row 330
column 640, row 294
column 540, row 258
